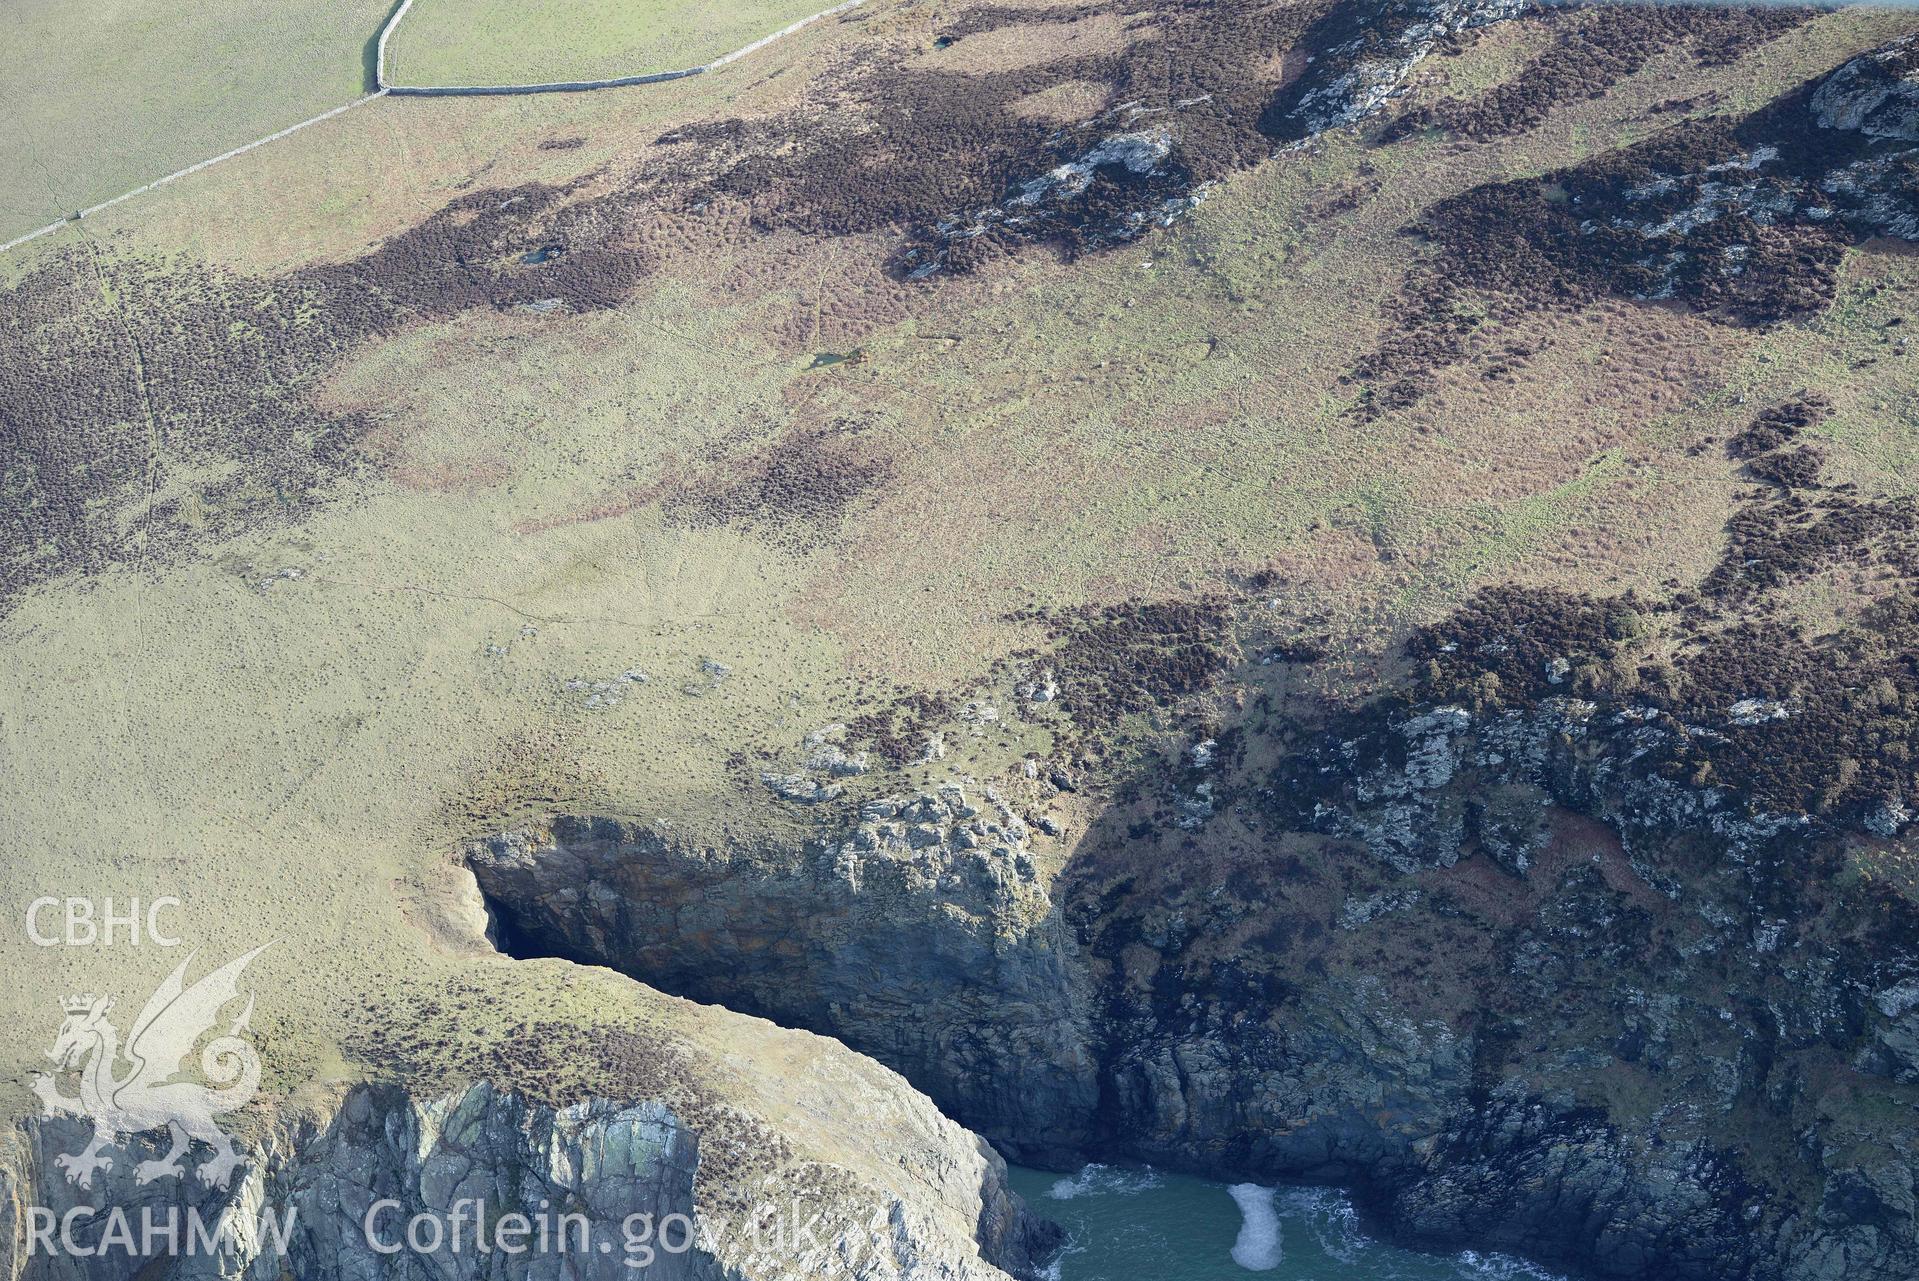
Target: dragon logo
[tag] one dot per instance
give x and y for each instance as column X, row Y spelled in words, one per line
column 145, row 1096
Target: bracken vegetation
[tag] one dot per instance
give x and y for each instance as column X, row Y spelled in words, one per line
column 1105, row 662
column 119, row 380
column 1121, row 660
column 796, row 491
column 925, row 148
column 1592, row 51
column 1727, row 670
column 1737, row 219
column 144, row 411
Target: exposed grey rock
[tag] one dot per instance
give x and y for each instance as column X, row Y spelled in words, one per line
column 1889, row 819
column 1044, row 689
column 1138, row 153
column 1508, row 823
column 1757, row 711
column 1043, row 205
column 1899, row 999
column 825, row 755
column 1876, row 94
column 926, row 903
column 1372, row 47
column 802, row 789
column 601, row 1159
column 598, row 695
column 1195, row 808
column 1357, row 912
column 1646, row 1002
column 1838, row 156
column 327, row 1199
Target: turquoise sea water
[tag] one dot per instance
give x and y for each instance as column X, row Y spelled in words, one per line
column 1141, row 1225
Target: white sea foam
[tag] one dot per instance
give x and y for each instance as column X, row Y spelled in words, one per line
column 1331, row 1218
column 1095, row 1180
column 1257, row 1249
column 1501, row 1267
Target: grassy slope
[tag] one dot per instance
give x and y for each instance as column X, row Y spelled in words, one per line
column 500, row 42
column 104, row 98
column 296, row 764
column 295, row 756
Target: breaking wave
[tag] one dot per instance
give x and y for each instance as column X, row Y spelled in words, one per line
column 1104, row 1180
column 1329, row 1215
column 1501, row 1267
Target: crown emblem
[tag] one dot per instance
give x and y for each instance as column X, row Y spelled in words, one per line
column 77, row 1004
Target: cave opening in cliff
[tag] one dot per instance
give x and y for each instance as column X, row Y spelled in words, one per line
column 520, row 935
column 512, row 935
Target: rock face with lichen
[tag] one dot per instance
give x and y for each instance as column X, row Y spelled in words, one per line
column 1744, row 218
column 921, row 933
column 1658, row 984
column 1876, row 94
column 1489, row 969
column 603, row 1189
column 1113, row 192
column 1365, row 49
column 602, row 1160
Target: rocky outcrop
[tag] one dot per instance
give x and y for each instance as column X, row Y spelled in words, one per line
column 1112, row 181
column 1490, row 969
column 1425, row 789
column 604, row 1161
column 1662, row 1004
column 922, row 935
column 1743, row 218
column 488, row 1184
column 1117, row 189
column 1876, row 94
column 1363, row 52
column 1874, row 98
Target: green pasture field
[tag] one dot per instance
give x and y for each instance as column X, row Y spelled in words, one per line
column 105, row 97
column 481, row 42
